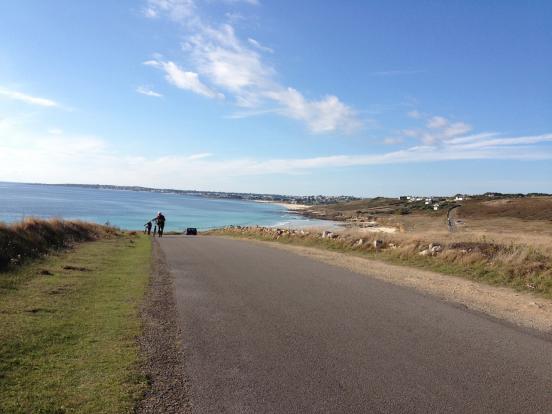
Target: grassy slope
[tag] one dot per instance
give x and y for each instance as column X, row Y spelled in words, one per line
column 31, row 238
column 527, row 208
column 67, row 342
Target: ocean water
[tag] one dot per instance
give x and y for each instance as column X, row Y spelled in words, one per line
column 132, row 209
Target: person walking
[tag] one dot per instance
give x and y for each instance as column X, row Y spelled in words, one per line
column 160, row 221
column 148, row 226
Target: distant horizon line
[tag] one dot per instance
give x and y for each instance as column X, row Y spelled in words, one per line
column 342, row 196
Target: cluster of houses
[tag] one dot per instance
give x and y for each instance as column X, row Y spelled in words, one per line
column 434, row 202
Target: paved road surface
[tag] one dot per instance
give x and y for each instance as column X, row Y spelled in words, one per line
column 267, row 331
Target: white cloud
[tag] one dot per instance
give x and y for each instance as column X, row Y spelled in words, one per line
column 436, row 122
column 55, row 131
column 234, row 17
column 439, row 129
column 326, row 115
column 183, row 79
column 177, row 10
column 250, row 2
column 223, row 60
column 257, row 45
column 414, row 114
column 150, row 12
column 32, row 100
column 505, row 142
column 472, row 138
column 410, row 133
column 89, row 159
column 148, row 92
column 200, row 156
column 456, row 129
column 393, row 141
column 252, row 112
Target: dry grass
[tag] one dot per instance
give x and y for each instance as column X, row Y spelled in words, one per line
column 478, row 208
column 32, row 238
column 528, row 208
column 501, row 230
column 489, row 257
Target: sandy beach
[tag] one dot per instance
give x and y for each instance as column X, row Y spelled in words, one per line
column 289, row 206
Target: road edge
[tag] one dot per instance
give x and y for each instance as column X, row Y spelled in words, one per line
column 160, row 345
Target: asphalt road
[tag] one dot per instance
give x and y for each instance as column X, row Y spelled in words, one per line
column 268, row 331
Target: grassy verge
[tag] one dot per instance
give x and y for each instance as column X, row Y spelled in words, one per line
column 68, row 329
column 32, row 238
column 521, row 267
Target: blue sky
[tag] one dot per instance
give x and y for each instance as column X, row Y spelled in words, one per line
column 311, row 97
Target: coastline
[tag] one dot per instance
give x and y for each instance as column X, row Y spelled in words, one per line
column 289, row 206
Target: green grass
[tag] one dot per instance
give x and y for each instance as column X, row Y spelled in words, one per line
column 68, row 340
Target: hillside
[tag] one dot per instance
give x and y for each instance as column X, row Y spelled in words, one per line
column 524, row 208
column 527, row 208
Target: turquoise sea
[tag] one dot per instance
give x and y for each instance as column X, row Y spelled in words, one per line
column 131, row 209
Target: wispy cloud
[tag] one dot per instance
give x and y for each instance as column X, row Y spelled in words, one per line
column 54, row 158
column 32, row 100
column 504, row 142
column 393, row 140
column 200, row 156
column 224, row 62
column 414, row 114
column 437, row 122
column 148, row 92
column 184, row 79
column 257, row 45
column 177, row 10
column 437, row 129
column 252, row 113
column 250, row 2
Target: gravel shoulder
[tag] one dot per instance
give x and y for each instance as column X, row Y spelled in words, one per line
column 160, row 343
column 522, row 309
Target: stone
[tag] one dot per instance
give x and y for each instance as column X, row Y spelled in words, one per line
column 435, row 248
